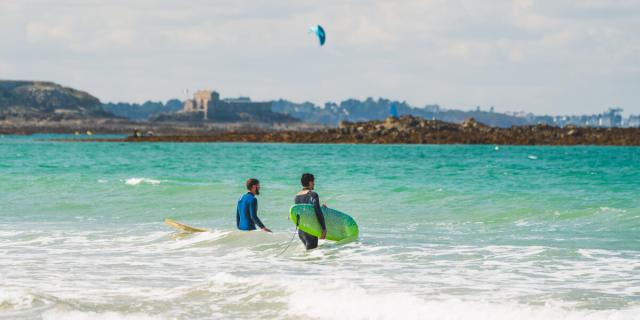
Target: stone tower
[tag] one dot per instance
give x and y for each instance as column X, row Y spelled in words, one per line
column 201, row 101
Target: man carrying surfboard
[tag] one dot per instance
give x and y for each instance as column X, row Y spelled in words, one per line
column 247, row 210
column 308, row 196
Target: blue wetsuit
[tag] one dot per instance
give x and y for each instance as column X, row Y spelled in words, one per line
column 247, row 213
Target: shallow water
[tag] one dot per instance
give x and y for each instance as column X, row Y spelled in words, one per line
column 447, row 232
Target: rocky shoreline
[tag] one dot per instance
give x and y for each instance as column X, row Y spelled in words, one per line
column 414, row 130
column 126, row 127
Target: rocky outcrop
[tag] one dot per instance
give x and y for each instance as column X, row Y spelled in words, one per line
column 47, row 101
column 414, row 130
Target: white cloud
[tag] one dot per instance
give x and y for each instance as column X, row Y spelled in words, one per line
column 540, row 56
column 5, row 68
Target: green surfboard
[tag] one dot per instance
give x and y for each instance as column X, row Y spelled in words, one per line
column 340, row 225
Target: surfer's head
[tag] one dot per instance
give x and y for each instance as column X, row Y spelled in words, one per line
column 307, row 181
column 253, row 185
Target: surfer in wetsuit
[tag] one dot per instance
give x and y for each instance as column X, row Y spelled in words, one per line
column 308, row 196
column 247, row 210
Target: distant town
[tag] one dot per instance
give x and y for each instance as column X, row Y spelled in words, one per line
column 209, row 106
column 612, row 118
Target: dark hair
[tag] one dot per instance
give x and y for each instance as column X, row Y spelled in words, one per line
column 252, row 182
column 306, row 178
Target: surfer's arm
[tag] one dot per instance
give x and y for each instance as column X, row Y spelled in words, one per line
column 237, row 218
column 315, row 199
column 253, row 213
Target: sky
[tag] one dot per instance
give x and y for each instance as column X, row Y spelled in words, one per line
column 546, row 57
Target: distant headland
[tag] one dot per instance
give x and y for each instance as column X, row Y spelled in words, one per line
column 28, row 107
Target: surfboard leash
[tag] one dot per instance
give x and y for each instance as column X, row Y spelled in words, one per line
column 292, row 237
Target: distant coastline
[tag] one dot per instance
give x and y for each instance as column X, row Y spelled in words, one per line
column 413, row 130
column 46, row 107
column 31, row 107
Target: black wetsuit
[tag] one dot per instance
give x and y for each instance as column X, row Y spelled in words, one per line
column 311, row 242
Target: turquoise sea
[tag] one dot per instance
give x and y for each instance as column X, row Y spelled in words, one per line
column 446, row 232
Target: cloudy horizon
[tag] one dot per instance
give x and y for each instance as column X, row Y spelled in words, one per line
column 551, row 57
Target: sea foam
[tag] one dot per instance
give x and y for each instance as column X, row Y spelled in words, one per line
column 15, row 299
column 73, row 314
column 356, row 303
column 137, row 181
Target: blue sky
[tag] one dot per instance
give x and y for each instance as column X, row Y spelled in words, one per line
column 553, row 56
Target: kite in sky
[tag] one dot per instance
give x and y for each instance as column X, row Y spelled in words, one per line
column 319, row 32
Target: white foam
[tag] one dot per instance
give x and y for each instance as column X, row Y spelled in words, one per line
column 224, row 279
column 199, row 238
column 356, row 303
column 15, row 299
column 100, row 270
column 71, row 315
column 608, row 209
column 137, row 181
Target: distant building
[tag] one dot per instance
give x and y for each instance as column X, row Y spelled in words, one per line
column 200, row 102
column 633, row 121
column 608, row 119
column 229, row 109
column 605, row 121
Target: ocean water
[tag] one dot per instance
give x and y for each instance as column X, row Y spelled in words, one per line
column 446, row 232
